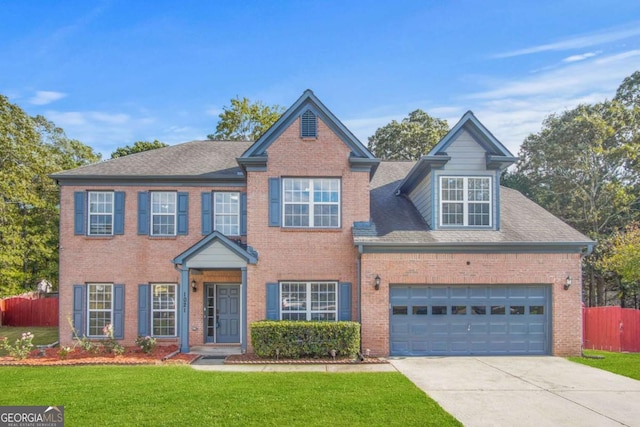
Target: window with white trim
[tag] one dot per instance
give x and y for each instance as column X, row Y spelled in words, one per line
column 308, row 301
column 163, row 310
column 226, row 215
column 100, row 216
column 311, row 202
column 465, row 201
column 99, row 308
column 163, row 213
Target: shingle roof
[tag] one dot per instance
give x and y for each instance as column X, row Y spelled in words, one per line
column 195, row 160
column 395, row 220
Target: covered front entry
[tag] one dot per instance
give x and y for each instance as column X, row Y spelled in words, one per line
column 222, row 308
column 469, row 320
column 211, row 308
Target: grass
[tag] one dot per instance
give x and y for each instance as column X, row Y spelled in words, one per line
column 627, row 364
column 179, row 395
column 42, row 335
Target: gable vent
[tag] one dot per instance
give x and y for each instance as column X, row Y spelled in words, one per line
column 308, row 125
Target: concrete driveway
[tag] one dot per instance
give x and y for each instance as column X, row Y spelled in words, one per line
column 525, row 391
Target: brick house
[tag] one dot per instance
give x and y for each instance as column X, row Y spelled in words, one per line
column 193, row 242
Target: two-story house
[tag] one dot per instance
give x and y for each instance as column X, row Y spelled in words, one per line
column 193, row 242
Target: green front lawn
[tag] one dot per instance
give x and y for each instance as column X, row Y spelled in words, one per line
column 627, row 364
column 42, row 335
column 179, row 395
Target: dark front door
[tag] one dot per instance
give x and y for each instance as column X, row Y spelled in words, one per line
column 222, row 307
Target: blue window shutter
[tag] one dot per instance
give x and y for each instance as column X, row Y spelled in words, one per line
column 79, row 307
column 118, row 213
column 273, row 301
column 344, row 301
column 144, row 310
column 206, row 216
column 118, row 311
column 143, row 212
column 78, row 212
column 183, row 213
column 243, row 214
column 274, row 202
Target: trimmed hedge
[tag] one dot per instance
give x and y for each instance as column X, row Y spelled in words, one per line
column 288, row 339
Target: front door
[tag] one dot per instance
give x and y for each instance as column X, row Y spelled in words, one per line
column 222, row 308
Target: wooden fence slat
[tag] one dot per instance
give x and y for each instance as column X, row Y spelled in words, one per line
column 20, row 311
column 611, row 329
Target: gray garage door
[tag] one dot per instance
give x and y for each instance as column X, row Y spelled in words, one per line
column 469, row 320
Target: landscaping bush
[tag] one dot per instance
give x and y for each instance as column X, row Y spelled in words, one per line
column 289, row 339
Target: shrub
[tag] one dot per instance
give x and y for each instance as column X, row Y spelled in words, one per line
column 147, row 344
column 295, row 339
column 64, row 351
column 22, row 347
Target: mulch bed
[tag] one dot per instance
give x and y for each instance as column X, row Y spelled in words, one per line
column 161, row 355
column 252, row 359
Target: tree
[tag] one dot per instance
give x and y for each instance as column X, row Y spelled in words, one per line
column 410, row 139
column 30, row 150
column 623, row 259
column 584, row 166
column 137, row 147
column 629, row 91
column 245, row 120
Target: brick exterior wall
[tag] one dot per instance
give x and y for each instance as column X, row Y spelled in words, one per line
column 303, row 254
column 473, row 269
column 128, row 259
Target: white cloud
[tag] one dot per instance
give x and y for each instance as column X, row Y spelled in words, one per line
column 579, row 42
column 214, row 111
column 581, row 57
column 44, row 97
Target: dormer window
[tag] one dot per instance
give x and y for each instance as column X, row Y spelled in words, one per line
column 465, row 201
column 308, row 125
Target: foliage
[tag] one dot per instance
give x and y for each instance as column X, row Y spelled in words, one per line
column 22, row 347
column 629, row 91
column 137, row 147
column 43, row 335
column 584, row 167
column 30, row 150
column 623, row 258
column 627, row 364
column 147, row 344
column 296, row 339
column 166, row 395
column 110, row 344
column 410, row 139
column 245, row 120
column 64, row 351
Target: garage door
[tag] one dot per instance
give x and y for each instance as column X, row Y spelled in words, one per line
column 469, row 320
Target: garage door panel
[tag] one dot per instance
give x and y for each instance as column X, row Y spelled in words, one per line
column 466, row 320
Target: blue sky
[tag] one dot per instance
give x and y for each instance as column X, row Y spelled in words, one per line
column 114, row 72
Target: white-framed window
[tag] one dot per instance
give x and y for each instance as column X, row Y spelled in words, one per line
column 163, row 213
column 226, row 215
column 100, row 216
column 311, row 202
column 163, row 309
column 308, row 301
column 465, row 201
column 99, row 308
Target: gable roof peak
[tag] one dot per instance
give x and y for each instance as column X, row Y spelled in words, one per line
column 258, row 150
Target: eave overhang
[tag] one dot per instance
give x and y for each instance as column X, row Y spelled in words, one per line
column 583, row 248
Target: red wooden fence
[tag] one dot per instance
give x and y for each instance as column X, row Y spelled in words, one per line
column 19, row 311
column 611, row 329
